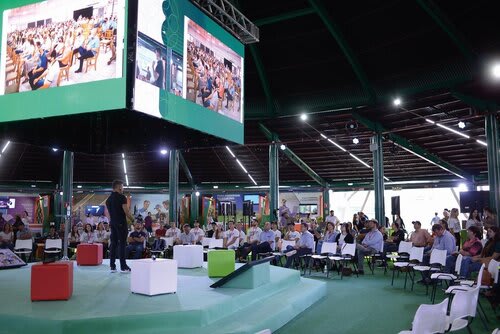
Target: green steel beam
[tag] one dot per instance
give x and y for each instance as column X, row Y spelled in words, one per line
column 186, row 170
column 274, row 179
column 378, row 175
column 416, row 149
column 263, row 78
column 448, row 27
column 293, row 157
column 492, row 136
column 195, row 206
column 283, row 17
column 335, row 31
column 68, row 162
column 173, row 186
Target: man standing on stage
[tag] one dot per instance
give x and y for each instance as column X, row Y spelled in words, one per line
column 118, row 212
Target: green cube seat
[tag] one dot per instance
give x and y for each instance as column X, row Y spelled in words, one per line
column 220, row 262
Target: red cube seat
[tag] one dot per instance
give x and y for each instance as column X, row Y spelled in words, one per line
column 89, row 254
column 52, row 281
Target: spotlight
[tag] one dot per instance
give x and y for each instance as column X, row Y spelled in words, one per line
column 282, row 147
column 216, row 187
column 197, row 193
column 461, row 125
column 303, row 117
column 495, row 71
column 55, row 149
column 163, row 151
column 355, row 140
column 397, row 102
column 79, row 186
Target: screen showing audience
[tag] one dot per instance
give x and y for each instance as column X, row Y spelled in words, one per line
column 61, row 42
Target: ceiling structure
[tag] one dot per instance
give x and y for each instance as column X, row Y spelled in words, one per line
column 342, row 63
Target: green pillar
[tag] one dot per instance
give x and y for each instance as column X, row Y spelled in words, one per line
column 173, row 186
column 195, row 206
column 67, row 198
column 326, row 203
column 378, row 176
column 492, row 138
column 273, row 180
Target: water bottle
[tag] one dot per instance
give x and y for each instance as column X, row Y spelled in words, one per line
column 325, row 269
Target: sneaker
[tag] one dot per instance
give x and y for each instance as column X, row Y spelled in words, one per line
column 291, row 253
column 126, row 270
column 113, row 270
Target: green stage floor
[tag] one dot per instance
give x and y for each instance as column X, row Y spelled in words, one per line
column 102, row 303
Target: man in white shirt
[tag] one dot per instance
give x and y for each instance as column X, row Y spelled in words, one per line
column 243, row 236
column 265, row 244
column 435, row 219
column 49, row 77
column 197, row 232
column 277, row 233
column 304, row 246
column 254, row 232
column 232, row 237
column 331, row 218
column 174, row 232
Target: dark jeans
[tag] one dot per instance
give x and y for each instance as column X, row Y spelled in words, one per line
column 84, row 54
column 260, row 248
column 118, row 241
column 32, row 76
column 300, row 252
column 137, row 248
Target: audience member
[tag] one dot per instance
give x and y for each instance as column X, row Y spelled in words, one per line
column 331, row 218
column 186, row 238
column 345, row 236
column 490, row 251
column 73, row 237
column 197, row 232
column 239, row 227
column 420, row 237
column 435, row 219
column 161, row 231
column 277, row 233
column 454, row 225
column 232, row 237
column 102, row 237
column 23, row 232
column 254, row 232
column 304, row 246
column 371, row 244
column 443, row 240
column 174, row 232
column 474, row 220
column 489, row 218
column 265, row 244
column 52, row 234
column 7, row 237
column 471, row 247
column 148, row 223
column 329, row 236
column 291, row 234
column 88, row 236
column 136, row 240
column 393, row 241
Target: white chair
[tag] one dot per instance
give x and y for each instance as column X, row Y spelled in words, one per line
column 415, row 258
column 372, row 259
column 346, row 255
column 446, row 277
column 188, row 256
column 53, row 246
column 169, row 241
column 216, row 243
column 493, row 267
column 429, row 319
column 436, row 263
column 24, row 247
column 205, row 242
column 285, row 243
column 153, row 277
column 403, row 251
column 327, row 248
column 463, row 308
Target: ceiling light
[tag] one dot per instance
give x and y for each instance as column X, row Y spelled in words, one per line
column 241, row 165
column 355, row 140
column 322, row 135
column 364, row 163
column 397, row 102
column 61, row 193
column 126, row 179
column 282, row 147
column 495, row 71
column 340, row 147
column 197, row 193
column 164, row 151
column 216, row 187
column 55, row 149
column 452, row 130
column 251, row 178
column 79, row 186
column 33, row 186
column 350, row 184
column 229, row 150
column 481, row 142
column 5, row 147
column 430, row 121
column 462, row 187
column 303, row 117
column 461, row 125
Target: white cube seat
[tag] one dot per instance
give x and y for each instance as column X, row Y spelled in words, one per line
column 188, row 256
column 153, row 277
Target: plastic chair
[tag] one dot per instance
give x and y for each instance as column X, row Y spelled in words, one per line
column 415, row 258
column 429, row 319
column 445, row 277
column 53, row 246
column 24, row 247
column 377, row 256
column 436, row 262
column 463, row 309
column 347, row 256
column 216, row 243
column 403, row 251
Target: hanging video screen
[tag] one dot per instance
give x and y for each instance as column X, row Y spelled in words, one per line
column 60, row 43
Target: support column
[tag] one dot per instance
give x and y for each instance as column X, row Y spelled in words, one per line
column 378, row 176
column 326, row 203
column 492, row 138
column 195, row 207
column 67, row 197
column 273, row 180
column 173, row 186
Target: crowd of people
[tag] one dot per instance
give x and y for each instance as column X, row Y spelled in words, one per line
column 40, row 52
column 215, row 85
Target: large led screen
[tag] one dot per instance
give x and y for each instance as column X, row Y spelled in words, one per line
column 189, row 70
column 61, row 57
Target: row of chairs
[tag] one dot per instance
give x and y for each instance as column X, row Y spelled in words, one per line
column 25, row 248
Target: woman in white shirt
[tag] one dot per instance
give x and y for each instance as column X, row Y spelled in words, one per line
column 474, row 220
column 88, row 236
column 454, row 225
column 102, row 237
column 7, row 237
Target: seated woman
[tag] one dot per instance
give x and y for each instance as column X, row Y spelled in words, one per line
column 490, row 251
column 74, row 237
column 88, row 236
column 345, row 236
column 102, row 237
column 7, row 237
column 392, row 243
column 471, row 247
column 330, row 236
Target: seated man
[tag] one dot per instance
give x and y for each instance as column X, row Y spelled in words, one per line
column 239, row 227
column 185, row 238
column 372, row 243
column 265, row 244
column 291, row 234
column 444, row 240
column 135, row 241
column 197, row 232
column 277, row 233
column 392, row 243
column 52, row 234
column 420, row 237
column 161, row 231
column 89, row 49
column 305, row 246
column 232, row 237
column 174, row 232
column 159, row 244
column 253, row 234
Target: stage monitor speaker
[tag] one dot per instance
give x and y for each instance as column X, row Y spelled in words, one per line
column 247, row 208
column 395, row 205
column 470, row 200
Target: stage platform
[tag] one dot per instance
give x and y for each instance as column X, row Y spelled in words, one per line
column 102, row 303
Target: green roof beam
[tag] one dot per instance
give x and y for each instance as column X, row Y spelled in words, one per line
column 283, row 17
column 186, row 170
